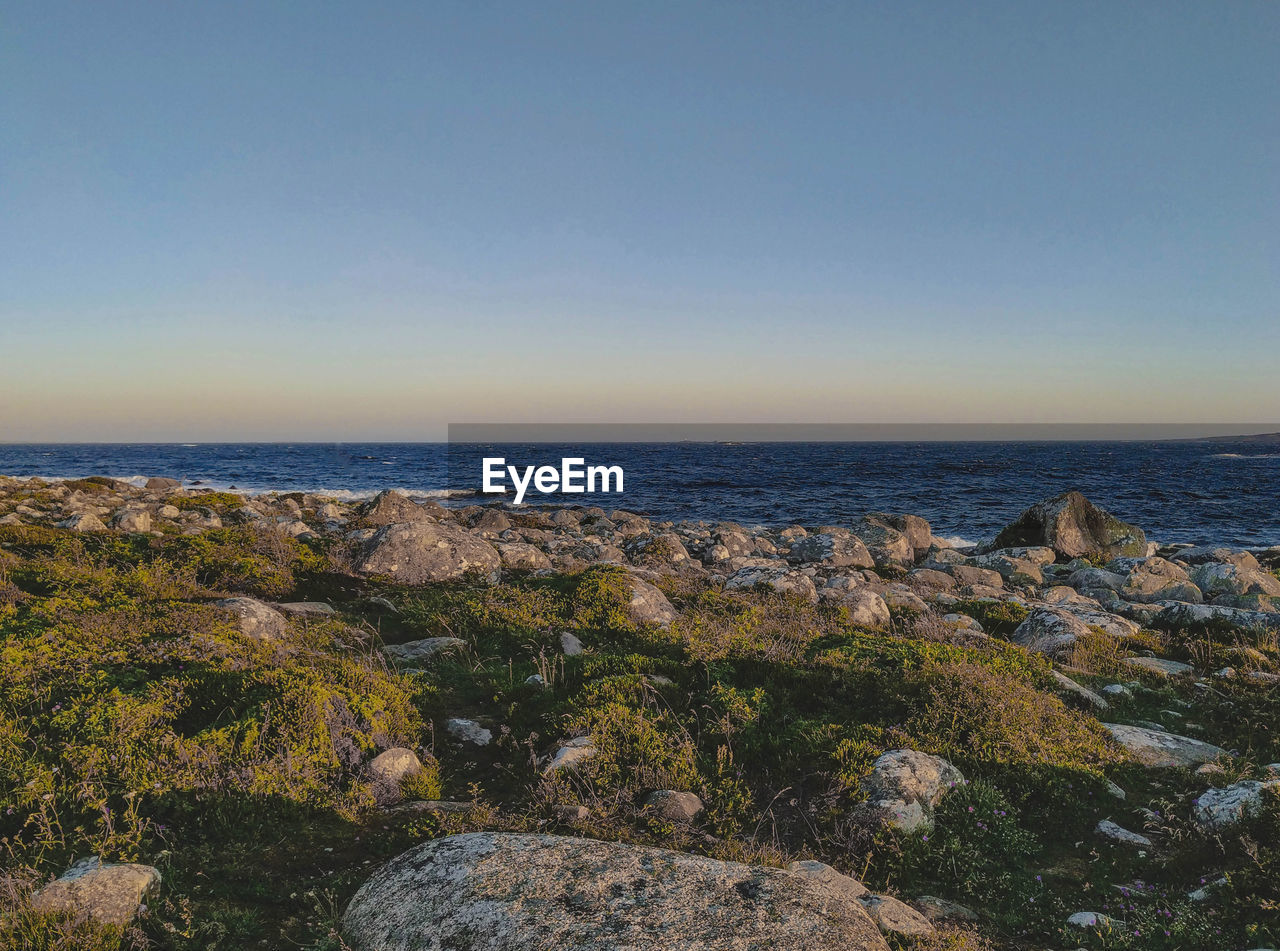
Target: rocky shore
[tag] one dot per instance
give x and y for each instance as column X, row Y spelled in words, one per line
column 496, row 727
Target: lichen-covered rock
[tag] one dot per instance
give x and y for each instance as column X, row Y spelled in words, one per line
column 83, row 522
column 259, row 621
column 511, row 892
column 423, row 552
column 412, row 653
column 776, row 576
column 1217, row 579
column 131, row 519
column 519, row 556
column 846, row 886
column 905, row 785
column 1219, row 808
column 832, row 550
column 106, row 893
column 1074, row 528
column 1050, row 631
column 1161, row 750
column 866, row 608
column 895, row 917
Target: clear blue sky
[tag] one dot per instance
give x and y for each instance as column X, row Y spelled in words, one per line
column 365, row 220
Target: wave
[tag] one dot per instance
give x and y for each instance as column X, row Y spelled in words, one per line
column 1245, row 455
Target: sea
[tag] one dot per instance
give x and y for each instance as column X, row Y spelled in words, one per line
column 1201, row 492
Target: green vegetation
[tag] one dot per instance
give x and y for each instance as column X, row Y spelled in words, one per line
column 138, row 723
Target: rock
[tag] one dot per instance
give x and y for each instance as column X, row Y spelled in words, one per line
column 422, row 552
column 1243, row 578
column 306, row 609
column 571, row 754
column 905, row 785
column 468, row 731
column 162, row 484
column 570, row 645
column 1158, row 665
column 1112, row 624
column 895, row 917
column 1091, row 920
column 131, row 520
column 1015, row 569
column 491, row 522
column 973, row 575
column 571, row 812
column 835, row 883
column 673, row 805
column 888, row 546
column 518, row 892
column 1121, row 836
column 1154, row 579
column 1074, row 528
column 412, row 653
column 843, row 550
column 931, row 578
column 84, row 522
column 388, row 769
column 1086, row 579
column 648, row 605
column 778, row 577
column 1079, row 690
column 866, row 609
column 257, row 620
column 1220, row 808
column 918, row 532
column 107, row 893
column 1197, row 617
column 1050, row 631
column 1158, row 749
column 1117, row 690
column 940, row 910
column 391, row 508
column 518, row 556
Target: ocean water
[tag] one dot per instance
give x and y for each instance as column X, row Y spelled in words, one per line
column 1202, row 492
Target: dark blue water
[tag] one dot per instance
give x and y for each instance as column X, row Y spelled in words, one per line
column 1219, row 492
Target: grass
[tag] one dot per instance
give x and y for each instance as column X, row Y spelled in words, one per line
column 137, row 723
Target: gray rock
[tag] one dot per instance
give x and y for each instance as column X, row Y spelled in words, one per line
column 1158, row 665
column 307, row 609
column 1079, row 690
column 674, row 805
column 842, row 550
column 518, row 556
column 778, row 577
column 412, row 653
column 107, row 893
column 648, row 605
column 895, row 917
column 940, row 910
column 1121, row 836
column 392, row 508
column 1220, row 808
column 835, row 883
column 1160, row 750
column 1155, row 579
column 132, row 520
column 468, row 731
column 571, row 754
column 83, row 522
column 257, row 620
column 888, row 546
column 422, row 552
column 1050, row 631
column 866, row 608
column 1074, row 528
column 511, row 892
column 1217, row 579
column 570, row 645
column 905, row 785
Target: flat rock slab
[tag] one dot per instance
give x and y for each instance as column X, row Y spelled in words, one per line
column 109, row 894
column 1158, row 749
column 511, row 892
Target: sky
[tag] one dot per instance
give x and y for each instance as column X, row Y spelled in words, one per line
column 314, row 220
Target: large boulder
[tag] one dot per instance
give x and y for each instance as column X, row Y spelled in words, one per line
column 1217, row 579
column 106, row 893
column 904, row 786
column 518, row 892
column 1074, row 528
column 777, row 576
column 423, row 552
column 1219, row 808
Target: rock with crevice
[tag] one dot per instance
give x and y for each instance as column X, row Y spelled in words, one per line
column 904, row 786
